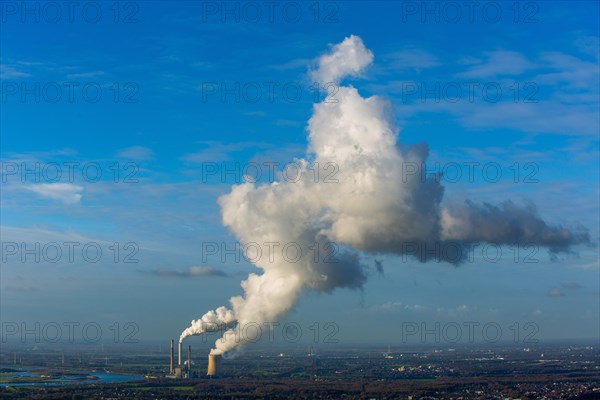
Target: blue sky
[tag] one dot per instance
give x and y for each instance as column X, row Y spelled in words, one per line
column 168, row 62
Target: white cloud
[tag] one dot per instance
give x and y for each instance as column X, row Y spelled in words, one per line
column 220, row 151
column 592, row 265
column 416, row 307
column 589, row 45
column 255, row 113
column 557, row 92
column 574, row 72
column 549, row 116
column 7, row 72
column 68, row 193
column 349, row 57
column 462, row 309
column 190, row 272
column 498, row 63
column 371, row 208
column 554, row 292
column 290, row 65
column 83, row 75
column 41, row 234
column 389, row 306
column 139, row 153
column 287, row 123
column 411, row 59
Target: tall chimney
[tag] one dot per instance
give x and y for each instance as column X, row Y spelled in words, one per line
column 179, row 356
column 214, row 362
column 189, row 362
column 171, row 364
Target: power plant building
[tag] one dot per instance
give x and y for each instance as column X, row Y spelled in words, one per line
column 180, row 371
column 184, row 370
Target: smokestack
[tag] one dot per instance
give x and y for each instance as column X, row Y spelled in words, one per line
column 179, row 356
column 214, row 364
column 171, row 364
column 189, row 362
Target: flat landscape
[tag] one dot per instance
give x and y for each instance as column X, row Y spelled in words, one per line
column 513, row 372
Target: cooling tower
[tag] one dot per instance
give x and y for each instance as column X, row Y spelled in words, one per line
column 214, row 364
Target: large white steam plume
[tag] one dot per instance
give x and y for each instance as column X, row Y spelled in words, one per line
column 374, row 207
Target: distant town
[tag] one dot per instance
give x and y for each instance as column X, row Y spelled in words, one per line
column 328, row 372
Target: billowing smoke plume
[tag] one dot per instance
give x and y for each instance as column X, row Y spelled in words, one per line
column 212, row 321
column 375, row 207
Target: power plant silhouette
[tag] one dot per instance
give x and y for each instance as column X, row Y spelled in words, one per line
column 184, row 370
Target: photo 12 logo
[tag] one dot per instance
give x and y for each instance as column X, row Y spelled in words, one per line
column 469, row 332
column 69, row 92
column 470, row 171
column 287, row 92
column 469, row 252
column 269, row 172
column 252, row 12
column 470, row 12
column 253, row 252
column 69, row 172
column 69, row 332
column 471, row 92
column 69, row 252
column 55, row 12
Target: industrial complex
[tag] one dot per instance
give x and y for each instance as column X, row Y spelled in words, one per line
column 184, row 370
